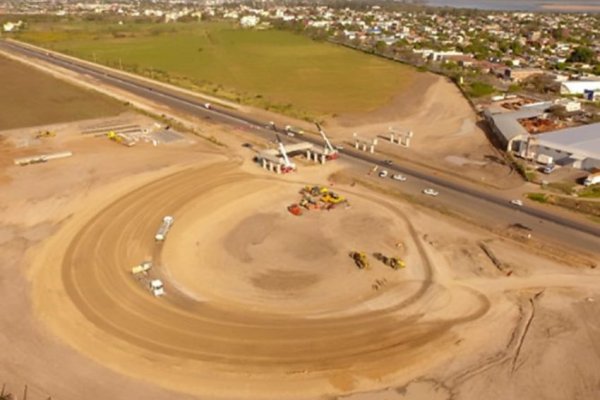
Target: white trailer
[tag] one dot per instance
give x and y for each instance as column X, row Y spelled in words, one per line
column 544, row 159
column 164, row 228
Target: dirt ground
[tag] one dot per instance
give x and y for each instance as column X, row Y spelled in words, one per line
column 447, row 134
column 261, row 304
column 30, row 97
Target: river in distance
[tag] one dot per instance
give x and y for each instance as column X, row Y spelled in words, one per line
column 521, row 5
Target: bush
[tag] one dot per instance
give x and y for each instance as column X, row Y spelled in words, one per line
column 539, row 197
column 480, row 89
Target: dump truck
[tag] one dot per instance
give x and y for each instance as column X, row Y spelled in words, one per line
column 156, row 287
column 164, row 228
column 392, row 262
column 360, row 259
column 142, row 267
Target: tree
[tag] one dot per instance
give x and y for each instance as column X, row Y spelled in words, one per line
column 582, row 55
column 380, row 47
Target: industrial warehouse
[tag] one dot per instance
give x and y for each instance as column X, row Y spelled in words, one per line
column 532, row 133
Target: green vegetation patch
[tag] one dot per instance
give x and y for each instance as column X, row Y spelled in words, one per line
column 590, row 192
column 31, row 97
column 539, row 197
column 480, row 89
column 271, row 69
column 588, row 207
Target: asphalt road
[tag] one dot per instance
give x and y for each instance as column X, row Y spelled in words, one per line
column 475, row 202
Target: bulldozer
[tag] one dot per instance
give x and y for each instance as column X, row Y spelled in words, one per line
column 45, row 134
column 360, row 259
column 392, row 262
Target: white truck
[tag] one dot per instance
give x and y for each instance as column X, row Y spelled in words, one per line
column 164, row 228
column 156, row 287
column 544, row 159
column 592, row 179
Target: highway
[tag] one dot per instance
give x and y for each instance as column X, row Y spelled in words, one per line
column 466, row 198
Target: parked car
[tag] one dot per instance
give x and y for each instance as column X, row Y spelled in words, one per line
column 383, row 174
column 548, row 168
column 398, row 177
column 517, row 202
column 431, row 192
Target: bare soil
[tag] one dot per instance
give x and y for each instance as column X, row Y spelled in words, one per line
column 261, row 303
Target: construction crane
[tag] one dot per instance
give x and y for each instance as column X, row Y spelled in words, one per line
column 288, row 166
column 331, row 152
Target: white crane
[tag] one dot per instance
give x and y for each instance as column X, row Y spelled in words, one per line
column 288, row 166
column 330, row 152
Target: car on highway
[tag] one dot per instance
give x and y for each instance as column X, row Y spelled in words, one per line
column 339, row 147
column 383, row 174
column 517, row 203
column 398, row 177
column 430, row 192
column 387, row 162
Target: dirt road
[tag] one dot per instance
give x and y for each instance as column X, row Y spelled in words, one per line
column 220, row 343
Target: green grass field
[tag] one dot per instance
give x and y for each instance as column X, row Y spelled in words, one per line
column 30, row 98
column 272, row 69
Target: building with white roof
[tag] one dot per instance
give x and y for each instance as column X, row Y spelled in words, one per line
column 578, row 147
column 579, row 87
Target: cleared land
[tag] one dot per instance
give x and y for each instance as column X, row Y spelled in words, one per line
column 272, row 69
column 261, row 304
column 30, row 97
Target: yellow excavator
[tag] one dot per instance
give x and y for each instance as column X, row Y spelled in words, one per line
column 360, row 259
column 392, row 262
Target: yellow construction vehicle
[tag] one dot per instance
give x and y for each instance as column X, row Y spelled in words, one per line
column 360, row 259
column 45, row 134
column 332, row 198
column 113, row 136
column 314, row 190
column 392, row 262
column 121, row 138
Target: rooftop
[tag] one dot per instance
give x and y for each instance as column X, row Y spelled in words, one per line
column 582, row 140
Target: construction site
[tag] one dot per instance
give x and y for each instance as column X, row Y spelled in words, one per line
column 170, row 257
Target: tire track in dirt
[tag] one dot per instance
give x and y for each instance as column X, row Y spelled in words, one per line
column 176, row 326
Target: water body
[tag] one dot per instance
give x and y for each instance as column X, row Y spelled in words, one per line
column 521, row 5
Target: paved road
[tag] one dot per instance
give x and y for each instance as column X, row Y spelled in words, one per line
column 467, row 199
